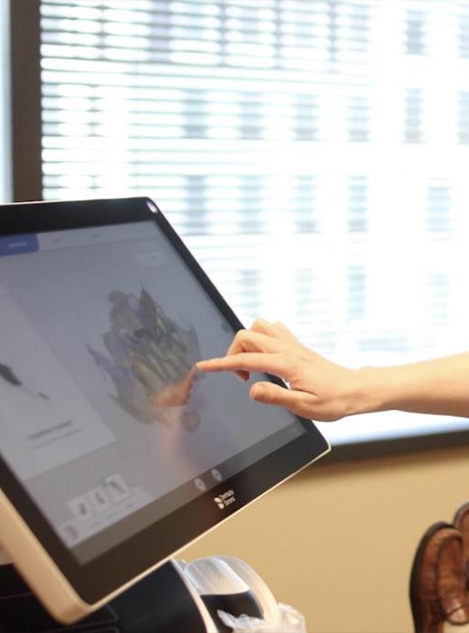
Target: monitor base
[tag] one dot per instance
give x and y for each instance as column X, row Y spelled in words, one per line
column 160, row 602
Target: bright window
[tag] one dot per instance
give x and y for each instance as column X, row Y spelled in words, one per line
column 312, row 154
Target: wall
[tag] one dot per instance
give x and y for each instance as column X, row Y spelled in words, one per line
column 337, row 541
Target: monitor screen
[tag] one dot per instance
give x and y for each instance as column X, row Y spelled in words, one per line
column 104, row 420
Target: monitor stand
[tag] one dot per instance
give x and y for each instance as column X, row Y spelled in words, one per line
column 160, row 603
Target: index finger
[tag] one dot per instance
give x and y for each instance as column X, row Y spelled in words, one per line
column 246, row 361
column 250, row 341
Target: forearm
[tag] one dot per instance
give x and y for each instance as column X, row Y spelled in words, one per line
column 439, row 386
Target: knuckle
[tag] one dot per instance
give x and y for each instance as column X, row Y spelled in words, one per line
column 281, row 395
column 265, row 393
column 270, row 394
column 284, row 363
column 258, row 324
column 241, row 336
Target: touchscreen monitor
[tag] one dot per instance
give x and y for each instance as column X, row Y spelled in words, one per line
column 115, row 451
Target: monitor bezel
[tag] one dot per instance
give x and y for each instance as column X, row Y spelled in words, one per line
column 147, row 549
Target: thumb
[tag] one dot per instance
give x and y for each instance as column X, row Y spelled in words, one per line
column 297, row 402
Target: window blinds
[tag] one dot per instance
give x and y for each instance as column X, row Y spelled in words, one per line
column 312, row 153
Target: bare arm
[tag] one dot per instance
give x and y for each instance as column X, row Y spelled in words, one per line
column 326, row 391
column 439, row 386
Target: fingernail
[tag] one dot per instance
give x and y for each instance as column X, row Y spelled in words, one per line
column 257, row 392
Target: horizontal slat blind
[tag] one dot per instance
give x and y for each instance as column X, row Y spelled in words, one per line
column 312, row 153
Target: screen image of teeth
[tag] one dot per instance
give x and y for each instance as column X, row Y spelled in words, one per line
column 102, row 411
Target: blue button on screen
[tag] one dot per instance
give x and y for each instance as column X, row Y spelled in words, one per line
column 16, row 244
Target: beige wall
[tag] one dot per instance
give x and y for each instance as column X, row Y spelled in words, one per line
column 337, row 541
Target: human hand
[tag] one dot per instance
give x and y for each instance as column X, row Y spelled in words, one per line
column 176, row 394
column 319, row 388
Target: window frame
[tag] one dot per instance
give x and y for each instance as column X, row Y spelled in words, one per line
column 25, row 108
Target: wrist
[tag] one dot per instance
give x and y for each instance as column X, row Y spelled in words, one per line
column 373, row 390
